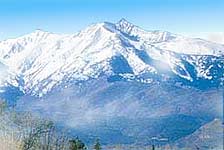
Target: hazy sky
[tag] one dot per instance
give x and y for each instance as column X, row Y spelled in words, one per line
column 18, row 17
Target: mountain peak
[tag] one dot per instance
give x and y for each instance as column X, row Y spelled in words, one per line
column 124, row 23
column 124, row 26
column 123, row 20
column 40, row 31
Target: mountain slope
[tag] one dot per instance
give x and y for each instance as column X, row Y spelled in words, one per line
column 127, row 111
column 209, row 136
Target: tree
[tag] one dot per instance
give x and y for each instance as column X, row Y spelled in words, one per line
column 76, row 144
column 97, row 145
column 3, row 106
column 153, row 147
column 38, row 134
column 24, row 131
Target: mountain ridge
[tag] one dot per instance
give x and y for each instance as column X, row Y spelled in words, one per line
column 43, row 59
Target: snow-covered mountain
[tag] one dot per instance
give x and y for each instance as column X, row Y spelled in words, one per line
column 43, row 60
column 95, row 79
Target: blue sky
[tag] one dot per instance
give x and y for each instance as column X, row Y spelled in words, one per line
column 18, row 17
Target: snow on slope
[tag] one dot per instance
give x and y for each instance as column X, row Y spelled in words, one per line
column 6, row 76
column 172, row 42
column 44, row 59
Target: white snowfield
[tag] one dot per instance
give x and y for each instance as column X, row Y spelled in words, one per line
column 44, row 59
